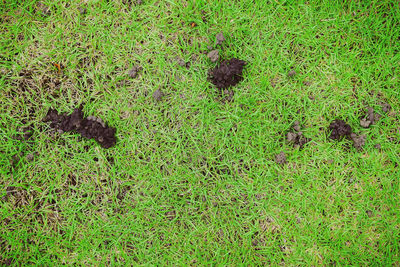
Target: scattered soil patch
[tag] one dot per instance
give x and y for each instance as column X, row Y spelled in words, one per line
column 82, row 10
column 358, row 141
column 292, row 73
column 296, row 136
column 280, row 158
column 158, row 95
column 340, row 129
column 90, row 127
column 228, row 73
column 182, row 62
column 370, row 118
column 386, row 107
column 134, row 71
column 213, row 55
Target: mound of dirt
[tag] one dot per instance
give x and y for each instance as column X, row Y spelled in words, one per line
column 228, row 73
column 339, row 129
column 90, row 127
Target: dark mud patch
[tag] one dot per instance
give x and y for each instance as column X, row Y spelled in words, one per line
column 228, row 73
column 90, row 127
column 296, row 137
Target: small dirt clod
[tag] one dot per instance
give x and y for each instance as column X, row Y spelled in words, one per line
column 30, row 157
column 213, row 55
column 296, row 136
column 370, row 118
column 181, row 62
column 358, row 140
column 158, row 95
column 220, row 38
column 134, row 71
column 280, row 158
column 82, row 10
column 386, row 107
column 292, row 73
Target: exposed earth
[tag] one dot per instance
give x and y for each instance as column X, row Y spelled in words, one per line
column 228, row 73
column 90, row 127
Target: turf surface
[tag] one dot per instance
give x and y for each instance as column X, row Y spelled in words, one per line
column 193, row 179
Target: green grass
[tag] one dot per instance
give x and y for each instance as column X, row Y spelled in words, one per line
column 193, row 181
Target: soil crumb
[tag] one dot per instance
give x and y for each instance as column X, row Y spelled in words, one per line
column 133, row 73
column 228, row 73
column 296, row 136
column 90, row 127
column 369, row 118
column 339, row 129
column 82, row 10
column 213, row 55
column 182, row 62
column 386, row 107
column 158, row 95
column 280, row 158
column 220, row 38
column 292, row 73
column 358, row 140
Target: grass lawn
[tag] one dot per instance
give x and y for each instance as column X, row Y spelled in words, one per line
column 193, row 178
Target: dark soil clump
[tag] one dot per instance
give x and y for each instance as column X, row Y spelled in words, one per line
column 228, row 73
column 339, row 129
column 90, row 127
